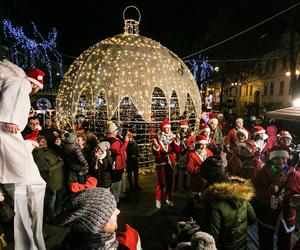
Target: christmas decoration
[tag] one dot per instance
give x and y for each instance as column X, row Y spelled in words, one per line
column 26, row 52
column 132, row 80
column 205, row 70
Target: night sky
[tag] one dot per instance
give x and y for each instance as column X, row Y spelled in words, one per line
column 182, row 26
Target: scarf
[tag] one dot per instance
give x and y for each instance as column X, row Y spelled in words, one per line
column 101, row 157
column 201, row 154
column 260, row 144
column 166, row 139
column 88, row 241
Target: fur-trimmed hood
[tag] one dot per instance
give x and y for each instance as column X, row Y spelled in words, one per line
column 236, row 189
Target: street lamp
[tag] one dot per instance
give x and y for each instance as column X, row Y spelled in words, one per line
column 288, row 73
column 296, row 103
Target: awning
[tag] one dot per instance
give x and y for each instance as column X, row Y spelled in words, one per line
column 290, row 114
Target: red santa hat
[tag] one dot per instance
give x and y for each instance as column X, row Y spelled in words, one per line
column 258, row 130
column 243, row 132
column 184, row 124
column 204, row 128
column 284, row 134
column 211, row 115
column 213, row 120
column 33, row 138
column 249, row 145
column 36, row 76
column 165, row 124
column 201, row 139
column 279, row 151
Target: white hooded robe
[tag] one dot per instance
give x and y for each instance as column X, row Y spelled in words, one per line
column 16, row 161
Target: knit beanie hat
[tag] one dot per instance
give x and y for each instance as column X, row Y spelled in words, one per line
column 88, row 210
column 213, row 170
column 203, row 241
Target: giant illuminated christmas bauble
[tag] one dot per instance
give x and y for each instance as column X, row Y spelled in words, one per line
column 127, row 69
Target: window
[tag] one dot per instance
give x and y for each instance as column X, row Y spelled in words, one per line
column 274, row 62
column 267, row 68
column 281, row 88
column 284, row 62
column 271, row 88
column 240, row 90
column 246, row 91
column 251, row 90
column 265, row 89
column 258, row 68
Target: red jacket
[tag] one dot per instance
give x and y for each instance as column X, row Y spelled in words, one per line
column 246, row 169
column 194, row 164
column 118, row 151
column 264, row 182
column 164, row 155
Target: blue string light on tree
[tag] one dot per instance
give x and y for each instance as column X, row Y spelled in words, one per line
column 195, row 68
column 204, row 73
column 206, row 70
column 26, row 52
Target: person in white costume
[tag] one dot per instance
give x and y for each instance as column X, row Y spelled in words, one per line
column 18, row 170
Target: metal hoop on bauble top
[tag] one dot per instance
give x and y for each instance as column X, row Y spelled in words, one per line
column 131, row 26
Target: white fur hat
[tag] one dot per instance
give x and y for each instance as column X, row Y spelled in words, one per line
column 279, row 151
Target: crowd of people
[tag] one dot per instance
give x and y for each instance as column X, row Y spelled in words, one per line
column 238, row 175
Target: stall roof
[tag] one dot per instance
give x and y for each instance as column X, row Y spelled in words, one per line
column 291, row 113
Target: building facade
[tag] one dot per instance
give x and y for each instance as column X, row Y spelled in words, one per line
column 267, row 83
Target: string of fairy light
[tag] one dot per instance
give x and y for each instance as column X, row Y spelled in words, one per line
column 27, row 52
column 132, row 120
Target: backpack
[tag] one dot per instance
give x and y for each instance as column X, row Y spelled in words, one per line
column 116, row 174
